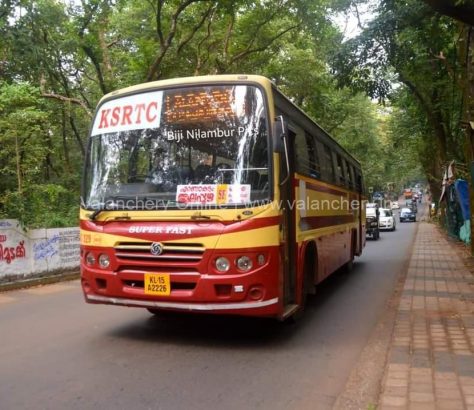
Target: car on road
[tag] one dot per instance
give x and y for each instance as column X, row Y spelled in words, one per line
column 395, row 205
column 378, row 196
column 372, row 221
column 386, row 219
column 406, row 214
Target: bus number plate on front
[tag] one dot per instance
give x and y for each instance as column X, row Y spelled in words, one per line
column 157, row 284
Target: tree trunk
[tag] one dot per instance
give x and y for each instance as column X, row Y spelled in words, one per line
column 67, row 161
column 18, row 164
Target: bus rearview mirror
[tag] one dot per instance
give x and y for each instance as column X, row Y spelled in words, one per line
column 279, row 134
column 281, row 145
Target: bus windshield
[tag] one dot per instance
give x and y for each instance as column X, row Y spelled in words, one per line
column 189, row 146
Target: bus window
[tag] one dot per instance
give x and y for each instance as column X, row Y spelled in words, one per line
column 328, row 166
column 358, row 181
column 226, row 143
column 302, row 154
column 340, row 170
column 349, row 173
column 315, row 167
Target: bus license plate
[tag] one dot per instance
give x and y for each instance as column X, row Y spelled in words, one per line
column 157, row 284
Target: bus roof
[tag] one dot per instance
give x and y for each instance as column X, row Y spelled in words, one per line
column 221, row 78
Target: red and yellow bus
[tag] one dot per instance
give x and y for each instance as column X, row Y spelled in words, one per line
column 214, row 194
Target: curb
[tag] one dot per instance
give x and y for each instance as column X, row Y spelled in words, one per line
column 364, row 384
column 39, row 281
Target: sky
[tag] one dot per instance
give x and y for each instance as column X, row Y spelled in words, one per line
column 348, row 21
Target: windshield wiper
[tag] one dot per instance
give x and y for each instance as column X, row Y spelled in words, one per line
column 198, row 215
column 95, row 214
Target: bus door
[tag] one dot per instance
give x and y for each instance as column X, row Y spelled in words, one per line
column 287, row 196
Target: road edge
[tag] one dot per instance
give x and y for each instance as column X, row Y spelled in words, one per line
column 40, row 280
column 363, row 387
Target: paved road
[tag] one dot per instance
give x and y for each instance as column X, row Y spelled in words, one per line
column 56, row 352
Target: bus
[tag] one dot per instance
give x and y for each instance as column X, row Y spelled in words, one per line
column 214, row 194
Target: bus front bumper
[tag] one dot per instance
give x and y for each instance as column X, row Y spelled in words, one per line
column 189, row 307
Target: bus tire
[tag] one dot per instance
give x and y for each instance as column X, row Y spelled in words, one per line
column 308, row 287
column 161, row 312
column 350, row 264
column 155, row 312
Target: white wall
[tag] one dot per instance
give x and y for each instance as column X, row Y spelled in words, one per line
column 36, row 250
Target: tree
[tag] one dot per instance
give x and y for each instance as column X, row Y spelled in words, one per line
column 412, row 45
column 64, row 56
column 462, row 10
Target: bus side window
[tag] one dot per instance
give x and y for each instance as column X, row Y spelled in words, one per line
column 349, row 174
column 301, row 153
column 327, row 165
column 359, row 183
column 314, row 165
column 340, row 171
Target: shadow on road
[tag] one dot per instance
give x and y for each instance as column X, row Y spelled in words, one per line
column 235, row 331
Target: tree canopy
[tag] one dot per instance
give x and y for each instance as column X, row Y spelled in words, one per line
column 57, row 59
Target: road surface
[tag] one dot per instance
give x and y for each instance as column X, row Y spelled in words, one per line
column 56, row 352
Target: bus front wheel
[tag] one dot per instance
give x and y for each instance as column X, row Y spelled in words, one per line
column 308, row 287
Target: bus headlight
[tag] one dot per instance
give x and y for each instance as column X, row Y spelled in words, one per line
column 90, row 258
column 244, row 263
column 222, row 264
column 104, row 260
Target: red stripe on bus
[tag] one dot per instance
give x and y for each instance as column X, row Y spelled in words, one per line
column 198, row 228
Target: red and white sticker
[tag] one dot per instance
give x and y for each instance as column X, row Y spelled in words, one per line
column 238, row 193
column 197, row 194
column 213, row 194
column 136, row 112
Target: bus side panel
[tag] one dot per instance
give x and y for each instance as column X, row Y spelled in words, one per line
column 335, row 251
column 332, row 252
column 330, row 227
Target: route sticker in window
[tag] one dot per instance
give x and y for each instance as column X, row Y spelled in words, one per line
column 135, row 112
column 213, row 194
column 238, row 193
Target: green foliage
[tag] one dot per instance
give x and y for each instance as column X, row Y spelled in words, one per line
column 23, row 124
column 40, row 206
column 410, row 46
column 358, row 129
